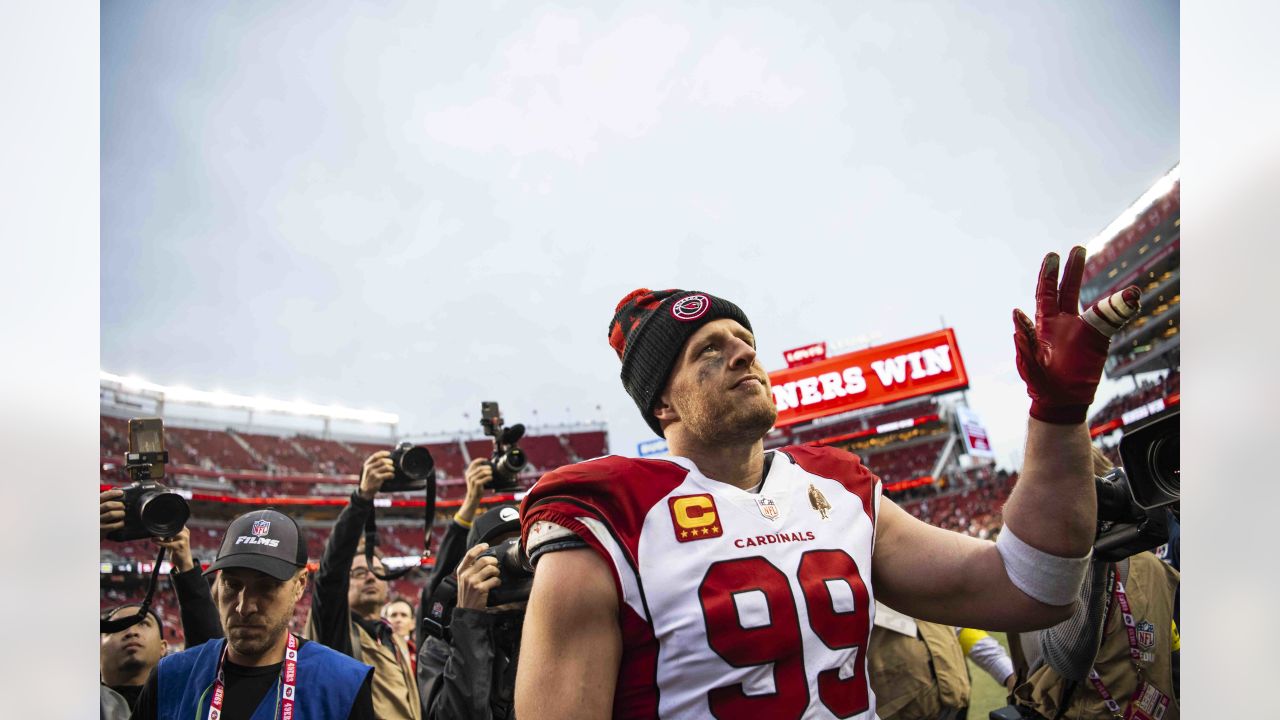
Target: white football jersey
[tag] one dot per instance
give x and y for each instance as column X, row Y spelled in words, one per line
column 733, row 604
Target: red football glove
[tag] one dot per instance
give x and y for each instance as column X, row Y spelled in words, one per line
column 1060, row 358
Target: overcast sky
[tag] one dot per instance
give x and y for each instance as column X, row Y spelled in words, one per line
column 414, row 207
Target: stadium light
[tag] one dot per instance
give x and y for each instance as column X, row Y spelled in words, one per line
column 1131, row 214
column 182, row 394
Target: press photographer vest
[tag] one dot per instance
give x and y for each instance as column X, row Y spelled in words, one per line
column 916, row 677
column 1150, row 589
column 327, row 684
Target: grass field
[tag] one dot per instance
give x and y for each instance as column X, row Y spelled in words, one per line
column 987, row 693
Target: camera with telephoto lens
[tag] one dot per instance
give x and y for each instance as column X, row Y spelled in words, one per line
column 1133, row 499
column 508, row 459
column 414, row 466
column 150, row 508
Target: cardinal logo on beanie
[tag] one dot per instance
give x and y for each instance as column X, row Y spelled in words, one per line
column 690, row 307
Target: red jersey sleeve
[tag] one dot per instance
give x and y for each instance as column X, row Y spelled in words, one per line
column 616, row 493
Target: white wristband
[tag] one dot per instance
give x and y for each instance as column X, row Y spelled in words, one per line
column 1048, row 578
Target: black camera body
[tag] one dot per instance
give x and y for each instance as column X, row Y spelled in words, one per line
column 508, row 459
column 1132, row 500
column 517, row 581
column 414, row 467
column 150, row 508
column 514, row 570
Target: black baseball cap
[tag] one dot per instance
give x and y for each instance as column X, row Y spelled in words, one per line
column 495, row 522
column 264, row 540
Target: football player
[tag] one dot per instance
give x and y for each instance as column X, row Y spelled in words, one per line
column 732, row 582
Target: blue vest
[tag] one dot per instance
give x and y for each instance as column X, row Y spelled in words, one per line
column 328, row 683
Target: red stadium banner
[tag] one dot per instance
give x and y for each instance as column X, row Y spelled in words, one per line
column 921, row 365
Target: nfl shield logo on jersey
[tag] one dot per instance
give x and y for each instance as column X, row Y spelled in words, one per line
column 695, row 517
column 260, row 527
column 768, row 508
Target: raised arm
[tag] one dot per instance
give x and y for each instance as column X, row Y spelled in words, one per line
column 1031, row 579
column 571, row 647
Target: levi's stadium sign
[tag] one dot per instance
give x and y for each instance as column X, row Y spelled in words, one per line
column 921, row 365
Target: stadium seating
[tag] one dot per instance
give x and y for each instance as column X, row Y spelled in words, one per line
column 1147, row 391
column 905, row 462
column 310, row 466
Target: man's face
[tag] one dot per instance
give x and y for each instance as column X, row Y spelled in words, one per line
column 718, row 389
column 133, row 650
column 366, row 594
column 400, row 615
column 255, row 608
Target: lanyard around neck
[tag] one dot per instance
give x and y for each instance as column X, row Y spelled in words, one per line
column 286, row 697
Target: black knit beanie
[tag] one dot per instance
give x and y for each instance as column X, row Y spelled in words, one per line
column 648, row 330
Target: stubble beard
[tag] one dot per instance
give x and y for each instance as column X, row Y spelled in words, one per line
column 252, row 647
column 718, row 420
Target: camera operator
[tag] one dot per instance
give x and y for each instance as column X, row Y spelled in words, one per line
column 1116, row 654
column 477, row 680
column 347, row 598
column 198, row 613
column 433, row 651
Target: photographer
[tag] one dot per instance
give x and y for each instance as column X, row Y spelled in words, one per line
column 1116, row 654
column 432, row 651
column 347, row 598
column 124, row 649
column 478, row 677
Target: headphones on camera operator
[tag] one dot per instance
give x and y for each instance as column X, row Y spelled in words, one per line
column 150, row 508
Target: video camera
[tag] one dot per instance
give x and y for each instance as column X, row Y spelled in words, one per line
column 507, row 460
column 150, row 508
column 1132, row 499
column 414, row 466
